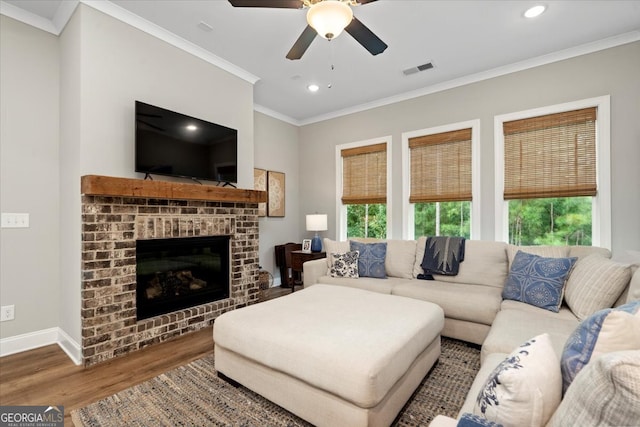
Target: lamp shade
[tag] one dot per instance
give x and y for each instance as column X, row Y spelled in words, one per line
column 329, row 18
column 317, row 222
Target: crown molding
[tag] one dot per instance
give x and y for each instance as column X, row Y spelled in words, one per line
column 561, row 55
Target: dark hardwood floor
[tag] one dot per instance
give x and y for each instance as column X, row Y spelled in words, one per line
column 46, row 375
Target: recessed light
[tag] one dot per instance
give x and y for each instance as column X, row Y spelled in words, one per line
column 534, row 11
column 313, row 88
column 192, row 127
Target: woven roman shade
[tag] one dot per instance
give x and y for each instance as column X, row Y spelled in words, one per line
column 364, row 174
column 441, row 167
column 551, row 156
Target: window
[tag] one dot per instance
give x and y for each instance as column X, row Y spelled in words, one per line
column 363, row 179
column 554, row 188
column 440, row 180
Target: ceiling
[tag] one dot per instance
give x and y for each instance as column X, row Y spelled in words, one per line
column 465, row 40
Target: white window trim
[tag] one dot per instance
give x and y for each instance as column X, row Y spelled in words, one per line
column 408, row 209
column 601, row 207
column 341, row 210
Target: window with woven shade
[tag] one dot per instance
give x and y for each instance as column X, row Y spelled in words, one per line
column 364, row 174
column 441, row 167
column 551, row 156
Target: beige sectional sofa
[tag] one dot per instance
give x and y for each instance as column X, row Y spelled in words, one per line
column 472, row 300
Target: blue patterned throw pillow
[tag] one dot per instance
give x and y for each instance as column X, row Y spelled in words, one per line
column 538, row 280
column 605, row 331
column 370, row 259
column 470, row 420
column 344, row 265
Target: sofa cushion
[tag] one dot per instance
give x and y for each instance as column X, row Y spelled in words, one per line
column 538, row 280
column 344, row 265
column 594, row 284
column 513, row 326
column 607, row 330
column 584, row 251
column 525, row 389
column 605, row 393
column 383, row 286
column 485, row 263
column 400, row 258
column 371, row 257
column 543, row 251
column 473, row 303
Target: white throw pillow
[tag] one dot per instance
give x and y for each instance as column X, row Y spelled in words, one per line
column 525, row 389
column 594, row 284
column 334, row 247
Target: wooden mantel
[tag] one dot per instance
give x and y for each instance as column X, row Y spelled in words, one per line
column 96, row 185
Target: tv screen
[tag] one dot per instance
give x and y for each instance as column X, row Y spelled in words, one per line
column 173, row 144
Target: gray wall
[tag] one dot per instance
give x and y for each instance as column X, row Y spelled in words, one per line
column 71, row 103
column 29, row 257
column 610, row 72
column 276, row 149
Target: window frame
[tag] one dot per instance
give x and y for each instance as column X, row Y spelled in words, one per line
column 408, row 209
column 601, row 203
column 341, row 209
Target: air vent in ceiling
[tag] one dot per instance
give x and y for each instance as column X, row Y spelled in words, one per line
column 423, row 67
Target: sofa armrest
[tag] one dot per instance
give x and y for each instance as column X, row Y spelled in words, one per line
column 313, row 270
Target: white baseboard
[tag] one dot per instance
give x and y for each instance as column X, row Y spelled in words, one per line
column 31, row 340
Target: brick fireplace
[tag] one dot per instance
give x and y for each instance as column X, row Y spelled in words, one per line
column 117, row 212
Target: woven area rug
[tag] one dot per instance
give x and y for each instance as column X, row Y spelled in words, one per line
column 193, row 395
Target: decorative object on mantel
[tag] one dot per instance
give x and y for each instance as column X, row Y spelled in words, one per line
column 275, row 204
column 260, row 183
column 96, row 185
column 316, row 222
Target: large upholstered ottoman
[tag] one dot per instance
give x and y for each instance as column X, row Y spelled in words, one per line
column 335, row 356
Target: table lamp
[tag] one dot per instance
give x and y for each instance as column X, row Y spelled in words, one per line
column 316, row 222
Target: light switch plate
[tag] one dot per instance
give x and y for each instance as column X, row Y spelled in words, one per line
column 15, row 220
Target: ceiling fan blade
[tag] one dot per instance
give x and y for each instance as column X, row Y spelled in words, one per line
column 366, row 1
column 365, row 37
column 302, row 44
column 284, row 4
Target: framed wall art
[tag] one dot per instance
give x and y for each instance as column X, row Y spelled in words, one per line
column 275, row 184
column 260, row 183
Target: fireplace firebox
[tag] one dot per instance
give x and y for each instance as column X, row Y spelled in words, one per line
column 177, row 273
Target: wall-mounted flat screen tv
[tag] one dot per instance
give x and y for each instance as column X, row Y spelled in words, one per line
column 174, row 144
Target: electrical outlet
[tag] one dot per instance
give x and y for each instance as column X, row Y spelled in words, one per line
column 7, row 312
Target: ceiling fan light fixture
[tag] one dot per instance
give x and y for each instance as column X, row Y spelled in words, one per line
column 329, row 18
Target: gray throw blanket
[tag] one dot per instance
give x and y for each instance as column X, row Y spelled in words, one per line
column 442, row 255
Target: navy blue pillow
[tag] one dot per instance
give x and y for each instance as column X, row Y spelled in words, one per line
column 371, row 259
column 537, row 280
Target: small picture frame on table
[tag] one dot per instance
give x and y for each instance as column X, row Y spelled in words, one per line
column 306, row 245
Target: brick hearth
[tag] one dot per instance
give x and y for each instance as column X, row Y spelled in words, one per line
column 110, row 227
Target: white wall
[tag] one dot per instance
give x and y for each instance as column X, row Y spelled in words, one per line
column 610, row 72
column 276, row 149
column 29, row 257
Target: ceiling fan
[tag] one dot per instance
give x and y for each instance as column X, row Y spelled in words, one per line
column 325, row 17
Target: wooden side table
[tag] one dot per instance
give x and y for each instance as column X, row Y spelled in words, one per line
column 297, row 259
